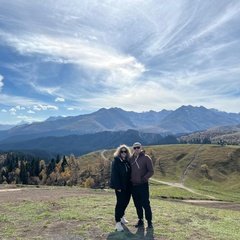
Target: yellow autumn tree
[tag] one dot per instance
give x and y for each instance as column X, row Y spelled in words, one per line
column 73, row 164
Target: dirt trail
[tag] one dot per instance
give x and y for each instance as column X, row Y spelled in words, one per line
column 190, row 164
column 212, row 203
column 10, row 190
column 185, row 171
column 178, row 185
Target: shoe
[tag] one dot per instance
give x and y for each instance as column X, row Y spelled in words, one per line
column 150, row 224
column 124, row 220
column 139, row 223
column 119, row 227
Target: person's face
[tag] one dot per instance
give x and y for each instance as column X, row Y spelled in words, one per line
column 137, row 149
column 123, row 152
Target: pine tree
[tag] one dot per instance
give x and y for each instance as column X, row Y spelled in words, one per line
column 64, row 163
column 51, row 166
column 57, row 159
column 23, row 173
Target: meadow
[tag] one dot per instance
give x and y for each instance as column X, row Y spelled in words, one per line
column 194, row 194
column 79, row 213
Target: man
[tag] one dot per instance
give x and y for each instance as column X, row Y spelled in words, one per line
column 142, row 170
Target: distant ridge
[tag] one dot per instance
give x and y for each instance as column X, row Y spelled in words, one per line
column 185, row 119
column 148, row 125
column 82, row 144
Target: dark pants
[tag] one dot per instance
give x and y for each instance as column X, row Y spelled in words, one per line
column 123, row 199
column 140, row 194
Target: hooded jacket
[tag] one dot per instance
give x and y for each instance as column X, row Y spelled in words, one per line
column 120, row 175
column 142, row 168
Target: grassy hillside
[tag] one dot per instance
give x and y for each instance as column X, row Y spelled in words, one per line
column 212, row 170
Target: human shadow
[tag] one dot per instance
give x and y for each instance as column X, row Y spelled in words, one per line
column 140, row 234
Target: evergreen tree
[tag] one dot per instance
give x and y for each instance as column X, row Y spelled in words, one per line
column 23, row 173
column 64, row 163
column 57, row 159
column 51, row 166
column 37, row 167
column 32, row 168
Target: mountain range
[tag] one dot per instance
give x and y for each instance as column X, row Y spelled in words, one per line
column 149, row 126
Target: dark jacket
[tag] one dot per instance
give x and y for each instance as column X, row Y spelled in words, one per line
column 142, row 168
column 120, row 175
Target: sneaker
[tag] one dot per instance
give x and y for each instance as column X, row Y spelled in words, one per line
column 124, row 220
column 139, row 223
column 119, row 226
column 150, row 224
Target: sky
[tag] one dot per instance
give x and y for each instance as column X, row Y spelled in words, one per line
column 68, row 58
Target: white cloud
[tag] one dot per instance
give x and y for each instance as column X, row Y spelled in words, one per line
column 70, row 108
column 41, row 107
column 59, row 99
column 12, row 111
column 97, row 57
column 19, row 108
column 22, row 117
column 3, row 110
column 14, row 100
column 30, row 111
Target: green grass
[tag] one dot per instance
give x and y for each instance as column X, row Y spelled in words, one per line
column 92, row 217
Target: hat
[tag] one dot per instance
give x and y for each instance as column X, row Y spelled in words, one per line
column 136, row 144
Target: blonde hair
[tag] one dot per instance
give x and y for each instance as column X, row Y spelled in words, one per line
column 118, row 151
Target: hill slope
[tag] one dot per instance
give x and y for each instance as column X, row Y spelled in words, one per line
column 210, row 169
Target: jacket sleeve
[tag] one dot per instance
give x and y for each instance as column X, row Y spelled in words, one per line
column 150, row 169
column 115, row 183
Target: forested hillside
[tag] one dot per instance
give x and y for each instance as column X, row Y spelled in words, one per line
column 199, row 164
column 18, row 168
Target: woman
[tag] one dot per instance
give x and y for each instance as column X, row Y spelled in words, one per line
column 120, row 181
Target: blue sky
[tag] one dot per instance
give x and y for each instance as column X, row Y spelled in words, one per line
column 65, row 58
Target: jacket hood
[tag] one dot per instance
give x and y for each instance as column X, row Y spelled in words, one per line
column 141, row 153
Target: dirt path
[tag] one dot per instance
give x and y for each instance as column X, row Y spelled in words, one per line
column 10, row 190
column 178, row 185
column 185, row 171
column 190, row 164
column 181, row 184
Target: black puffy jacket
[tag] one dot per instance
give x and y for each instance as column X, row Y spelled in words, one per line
column 120, row 175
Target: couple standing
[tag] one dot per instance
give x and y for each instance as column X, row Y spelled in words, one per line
column 130, row 174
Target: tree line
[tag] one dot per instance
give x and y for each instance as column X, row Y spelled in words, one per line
column 19, row 168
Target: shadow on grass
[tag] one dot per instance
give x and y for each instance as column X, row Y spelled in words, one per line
column 141, row 233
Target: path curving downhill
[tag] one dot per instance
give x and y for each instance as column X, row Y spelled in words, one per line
column 178, row 185
column 185, row 171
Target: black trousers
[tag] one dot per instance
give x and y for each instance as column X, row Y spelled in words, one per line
column 140, row 195
column 123, row 199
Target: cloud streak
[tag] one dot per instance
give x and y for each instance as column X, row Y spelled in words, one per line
column 139, row 56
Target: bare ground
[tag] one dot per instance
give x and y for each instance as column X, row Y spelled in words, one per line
column 54, row 194
column 57, row 230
